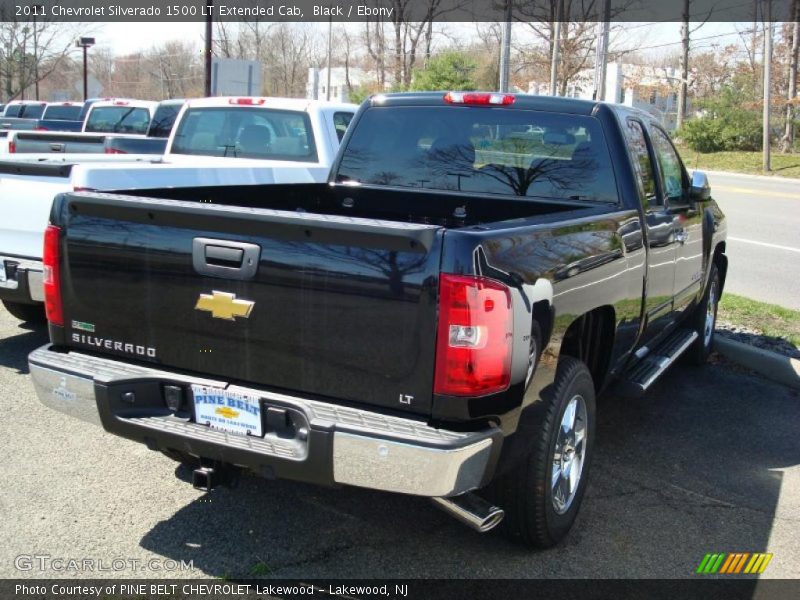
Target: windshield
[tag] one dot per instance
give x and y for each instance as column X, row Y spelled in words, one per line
column 481, row 150
column 32, row 111
column 118, row 119
column 163, row 120
column 62, row 113
column 246, row 132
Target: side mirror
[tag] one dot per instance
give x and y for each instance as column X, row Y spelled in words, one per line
column 700, row 189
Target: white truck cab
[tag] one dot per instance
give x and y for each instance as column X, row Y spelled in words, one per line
column 215, row 141
column 119, row 116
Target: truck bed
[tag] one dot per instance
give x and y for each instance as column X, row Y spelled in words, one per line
column 448, row 210
column 342, row 284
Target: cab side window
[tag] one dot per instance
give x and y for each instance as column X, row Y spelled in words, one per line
column 640, row 157
column 672, row 179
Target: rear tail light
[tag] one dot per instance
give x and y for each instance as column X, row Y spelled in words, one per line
column 474, row 336
column 479, row 99
column 40, row 128
column 121, row 103
column 12, row 146
column 246, row 101
column 52, row 276
column 114, row 151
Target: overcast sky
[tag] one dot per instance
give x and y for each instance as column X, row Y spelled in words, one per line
column 124, row 38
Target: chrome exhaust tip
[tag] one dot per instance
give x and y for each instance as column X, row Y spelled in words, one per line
column 472, row 510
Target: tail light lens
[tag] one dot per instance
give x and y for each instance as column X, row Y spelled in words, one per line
column 114, row 151
column 12, row 146
column 52, row 276
column 474, row 336
column 40, row 128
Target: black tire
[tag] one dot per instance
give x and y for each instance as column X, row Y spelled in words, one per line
column 526, row 491
column 699, row 352
column 30, row 313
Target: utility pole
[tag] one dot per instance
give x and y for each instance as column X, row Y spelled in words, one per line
column 330, row 55
column 556, row 42
column 209, row 46
column 505, row 49
column 601, row 53
column 683, row 83
column 788, row 135
column 767, row 64
column 36, row 7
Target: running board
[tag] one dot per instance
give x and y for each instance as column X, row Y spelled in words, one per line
column 645, row 372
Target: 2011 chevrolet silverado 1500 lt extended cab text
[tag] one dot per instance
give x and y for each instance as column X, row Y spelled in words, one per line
column 218, row 141
column 436, row 319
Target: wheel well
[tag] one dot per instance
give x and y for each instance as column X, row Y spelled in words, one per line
column 722, row 264
column 590, row 339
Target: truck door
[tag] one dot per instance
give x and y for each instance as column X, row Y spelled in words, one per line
column 686, row 221
column 659, row 229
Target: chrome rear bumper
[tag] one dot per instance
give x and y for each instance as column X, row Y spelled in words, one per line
column 335, row 445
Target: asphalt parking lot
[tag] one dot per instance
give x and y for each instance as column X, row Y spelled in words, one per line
column 709, row 461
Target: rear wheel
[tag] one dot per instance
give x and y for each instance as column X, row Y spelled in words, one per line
column 542, row 495
column 33, row 313
column 704, row 321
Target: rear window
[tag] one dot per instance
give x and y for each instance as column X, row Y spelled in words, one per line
column 118, row 119
column 12, row 110
column 32, row 111
column 163, row 120
column 340, row 122
column 243, row 132
column 63, row 113
column 481, row 150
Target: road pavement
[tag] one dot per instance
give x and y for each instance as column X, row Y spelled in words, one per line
column 706, row 462
column 763, row 236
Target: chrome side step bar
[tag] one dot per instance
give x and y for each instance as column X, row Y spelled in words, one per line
column 650, row 368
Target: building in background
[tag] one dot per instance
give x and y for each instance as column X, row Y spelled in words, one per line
column 652, row 89
column 342, row 81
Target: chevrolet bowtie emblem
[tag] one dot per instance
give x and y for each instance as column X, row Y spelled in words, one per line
column 223, row 305
column 226, row 412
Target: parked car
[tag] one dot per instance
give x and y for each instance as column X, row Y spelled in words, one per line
column 400, row 327
column 302, row 150
column 155, row 142
column 22, row 114
column 130, row 118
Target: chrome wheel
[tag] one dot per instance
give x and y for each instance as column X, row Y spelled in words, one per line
column 711, row 314
column 569, row 455
column 533, row 354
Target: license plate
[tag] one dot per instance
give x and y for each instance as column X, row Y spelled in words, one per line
column 227, row 411
column 2, row 271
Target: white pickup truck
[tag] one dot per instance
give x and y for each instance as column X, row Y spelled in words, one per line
column 117, row 117
column 215, row 141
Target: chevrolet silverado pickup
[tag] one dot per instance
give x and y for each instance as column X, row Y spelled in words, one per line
column 103, row 118
column 435, row 320
column 216, row 141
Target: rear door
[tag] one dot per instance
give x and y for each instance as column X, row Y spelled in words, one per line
column 318, row 305
column 660, row 229
column 686, row 221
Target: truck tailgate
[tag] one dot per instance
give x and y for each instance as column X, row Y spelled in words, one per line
column 322, row 305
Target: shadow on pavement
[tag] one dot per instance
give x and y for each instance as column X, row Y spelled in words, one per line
column 14, row 350
column 694, row 467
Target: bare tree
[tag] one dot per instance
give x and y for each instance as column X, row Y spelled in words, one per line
column 32, row 50
column 787, row 141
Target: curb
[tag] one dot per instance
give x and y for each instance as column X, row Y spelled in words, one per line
column 750, row 175
column 776, row 367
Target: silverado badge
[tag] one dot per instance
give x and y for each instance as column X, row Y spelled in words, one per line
column 223, row 305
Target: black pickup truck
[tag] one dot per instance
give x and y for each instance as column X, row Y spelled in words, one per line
column 436, row 320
